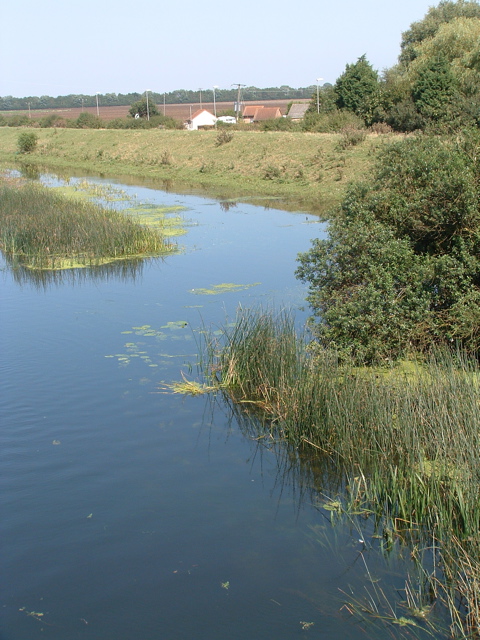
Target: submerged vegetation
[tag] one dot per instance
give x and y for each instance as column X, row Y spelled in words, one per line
column 42, row 229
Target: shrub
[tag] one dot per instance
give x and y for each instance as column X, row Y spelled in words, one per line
column 27, row 141
column 223, row 137
column 88, row 121
column 351, row 136
column 166, row 158
column 401, row 268
column 331, row 122
column 277, row 124
column 381, row 128
column 272, row 173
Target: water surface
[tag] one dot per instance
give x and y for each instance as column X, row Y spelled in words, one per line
column 128, row 512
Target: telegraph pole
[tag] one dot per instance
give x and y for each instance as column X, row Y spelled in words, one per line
column 239, row 91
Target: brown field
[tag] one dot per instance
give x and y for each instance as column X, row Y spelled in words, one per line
column 180, row 112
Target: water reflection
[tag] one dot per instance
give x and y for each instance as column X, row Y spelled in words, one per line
column 407, row 603
column 121, row 270
column 226, row 205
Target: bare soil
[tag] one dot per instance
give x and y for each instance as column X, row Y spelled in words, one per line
column 180, row 112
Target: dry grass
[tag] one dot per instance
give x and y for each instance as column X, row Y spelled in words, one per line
column 306, row 171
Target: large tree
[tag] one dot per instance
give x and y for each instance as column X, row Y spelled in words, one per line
column 357, row 88
column 426, row 28
column 143, row 109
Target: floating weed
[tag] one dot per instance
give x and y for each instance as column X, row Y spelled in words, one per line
column 306, row 625
column 188, row 387
column 224, row 287
column 33, row 614
column 159, row 216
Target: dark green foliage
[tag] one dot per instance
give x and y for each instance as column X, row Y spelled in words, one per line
column 366, row 290
column 143, row 109
column 88, row 120
column 401, row 268
column 434, row 91
column 428, row 26
column 277, row 124
column 160, row 122
column 27, row 141
column 404, row 116
column 357, row 89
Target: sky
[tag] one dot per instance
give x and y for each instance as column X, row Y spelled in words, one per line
column 57, row 47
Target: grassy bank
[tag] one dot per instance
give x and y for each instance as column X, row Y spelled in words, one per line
column 402, row 442
column 42, row 229
column 299, row 170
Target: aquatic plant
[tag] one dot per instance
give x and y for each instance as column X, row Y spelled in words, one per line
column 410, row 433
column 42, row 229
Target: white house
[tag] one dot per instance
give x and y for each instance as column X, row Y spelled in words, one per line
column 201, row 118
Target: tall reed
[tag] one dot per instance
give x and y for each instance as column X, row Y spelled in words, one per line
column 43, row 229
column 412, row 433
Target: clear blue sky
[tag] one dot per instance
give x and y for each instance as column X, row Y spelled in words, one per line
column 59, row 47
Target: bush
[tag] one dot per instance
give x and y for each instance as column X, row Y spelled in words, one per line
column 223, row 137
column 88, row 121
column 401, row 268
column 27, row 141
column 331, row 122
column 351, row 136
column 277, row 124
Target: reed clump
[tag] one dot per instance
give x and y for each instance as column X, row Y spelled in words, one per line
column 411, row 433
column 41, row 229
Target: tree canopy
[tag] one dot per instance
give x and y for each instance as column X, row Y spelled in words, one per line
column 401, row 267
column 143, row 108
column 356, row 88
column 426, row 28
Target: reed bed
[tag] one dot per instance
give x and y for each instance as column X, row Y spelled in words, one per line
column 41, row 229
column 406, row 440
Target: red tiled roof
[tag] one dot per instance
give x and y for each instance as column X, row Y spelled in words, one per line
column 267, row 113
column 251, row 110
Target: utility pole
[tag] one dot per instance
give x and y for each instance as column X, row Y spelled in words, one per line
column 239, row 91
column 201, row 105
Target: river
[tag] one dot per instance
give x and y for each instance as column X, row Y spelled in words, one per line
column 129, row 512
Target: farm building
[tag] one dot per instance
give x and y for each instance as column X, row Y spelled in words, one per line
column 201, row 118
column 298, row 111
column 260, row 113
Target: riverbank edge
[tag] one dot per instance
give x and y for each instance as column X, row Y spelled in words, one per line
column 289, row 171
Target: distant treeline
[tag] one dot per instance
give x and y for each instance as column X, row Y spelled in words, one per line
column 179, row 96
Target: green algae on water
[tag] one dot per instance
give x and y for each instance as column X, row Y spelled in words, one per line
column 224, row 287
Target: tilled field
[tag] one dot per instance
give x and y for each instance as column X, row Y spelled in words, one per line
column 180, row 112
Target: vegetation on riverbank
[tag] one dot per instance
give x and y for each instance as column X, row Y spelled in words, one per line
column 404, row 441
column 42, row 229
column 296, row 170
column 400, row 270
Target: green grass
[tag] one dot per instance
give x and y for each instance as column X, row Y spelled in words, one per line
column 307, row 171
column 42, row 229
column 404, row 441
